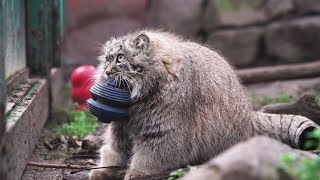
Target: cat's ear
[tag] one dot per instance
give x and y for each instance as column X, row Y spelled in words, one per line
column 141, row 42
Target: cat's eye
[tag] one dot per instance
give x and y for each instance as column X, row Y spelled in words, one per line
column 120, row 58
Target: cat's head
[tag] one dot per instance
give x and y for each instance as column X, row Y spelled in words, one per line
column 128, row 60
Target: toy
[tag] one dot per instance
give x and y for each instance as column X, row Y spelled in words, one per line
column 110, row 101
column 82, row 79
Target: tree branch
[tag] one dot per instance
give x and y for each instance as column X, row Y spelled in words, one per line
column 59, row 166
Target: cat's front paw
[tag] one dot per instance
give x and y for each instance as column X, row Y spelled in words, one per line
column 102, row 174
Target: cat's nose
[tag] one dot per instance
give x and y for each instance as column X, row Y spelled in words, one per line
column 108, row 70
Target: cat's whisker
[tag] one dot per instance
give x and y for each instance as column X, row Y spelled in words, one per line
column 126, row 81
column 101, row 46
column 91, row 78
column 117, row 81
column 120, row 80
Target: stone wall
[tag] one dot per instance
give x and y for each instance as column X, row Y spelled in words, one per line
column 92, row 22
column 247, row 32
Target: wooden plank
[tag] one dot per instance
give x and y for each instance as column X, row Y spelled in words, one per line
column 59, row 23
column 280, row 72
column 13, row 36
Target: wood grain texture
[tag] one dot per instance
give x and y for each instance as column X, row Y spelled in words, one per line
column 281, row 72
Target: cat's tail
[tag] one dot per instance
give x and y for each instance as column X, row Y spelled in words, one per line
column 289, row 129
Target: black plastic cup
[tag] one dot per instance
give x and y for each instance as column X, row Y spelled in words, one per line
column 110, row 101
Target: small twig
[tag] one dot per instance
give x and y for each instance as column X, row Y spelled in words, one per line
column 60, row 166
column 69, row 166
column 84, row 156
column 90, row 168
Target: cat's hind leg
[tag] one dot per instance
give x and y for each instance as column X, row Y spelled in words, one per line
column 115, row 152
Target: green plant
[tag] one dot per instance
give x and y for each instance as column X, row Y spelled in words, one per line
column 81, row 125
column 281, row 98
column 176, row 174
column 179, row 173
column 314, row 139
column 303, row 169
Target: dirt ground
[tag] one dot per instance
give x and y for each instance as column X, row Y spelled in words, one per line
column 51, row 149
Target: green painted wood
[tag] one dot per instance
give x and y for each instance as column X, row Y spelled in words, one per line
column 39, row 42
column 41, row 23
column 44, row 34
column 13, row 36
column 59, row 23
column 5, row 25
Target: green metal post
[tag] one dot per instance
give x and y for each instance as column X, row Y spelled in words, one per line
column 3, row 167
column 39, row 38
column 45, row 27
column 59, row 15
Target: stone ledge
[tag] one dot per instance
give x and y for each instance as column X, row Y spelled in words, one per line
column 17, row 78
column 25, row 120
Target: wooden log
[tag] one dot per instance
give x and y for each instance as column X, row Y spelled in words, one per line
column 305, row 106
column 257, row 158
column 281, row 72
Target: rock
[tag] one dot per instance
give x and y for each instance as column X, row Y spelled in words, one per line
column 307, row 6
column 240, row 47
column 294, row 40
column 239, row 13
column 258, row 158
column 180, row 16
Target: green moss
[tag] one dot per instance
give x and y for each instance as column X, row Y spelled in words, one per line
column 302, row 168
column 234, row 6
column 179, row 173
column 82, row 124
column 318, row 98
column 266, row 100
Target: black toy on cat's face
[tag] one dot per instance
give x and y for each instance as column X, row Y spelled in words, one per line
column 110, row 101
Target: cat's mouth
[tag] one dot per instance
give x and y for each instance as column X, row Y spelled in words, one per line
column 122, row 80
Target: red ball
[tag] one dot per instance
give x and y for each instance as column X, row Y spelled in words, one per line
column 82, row 78
column 82, row 74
